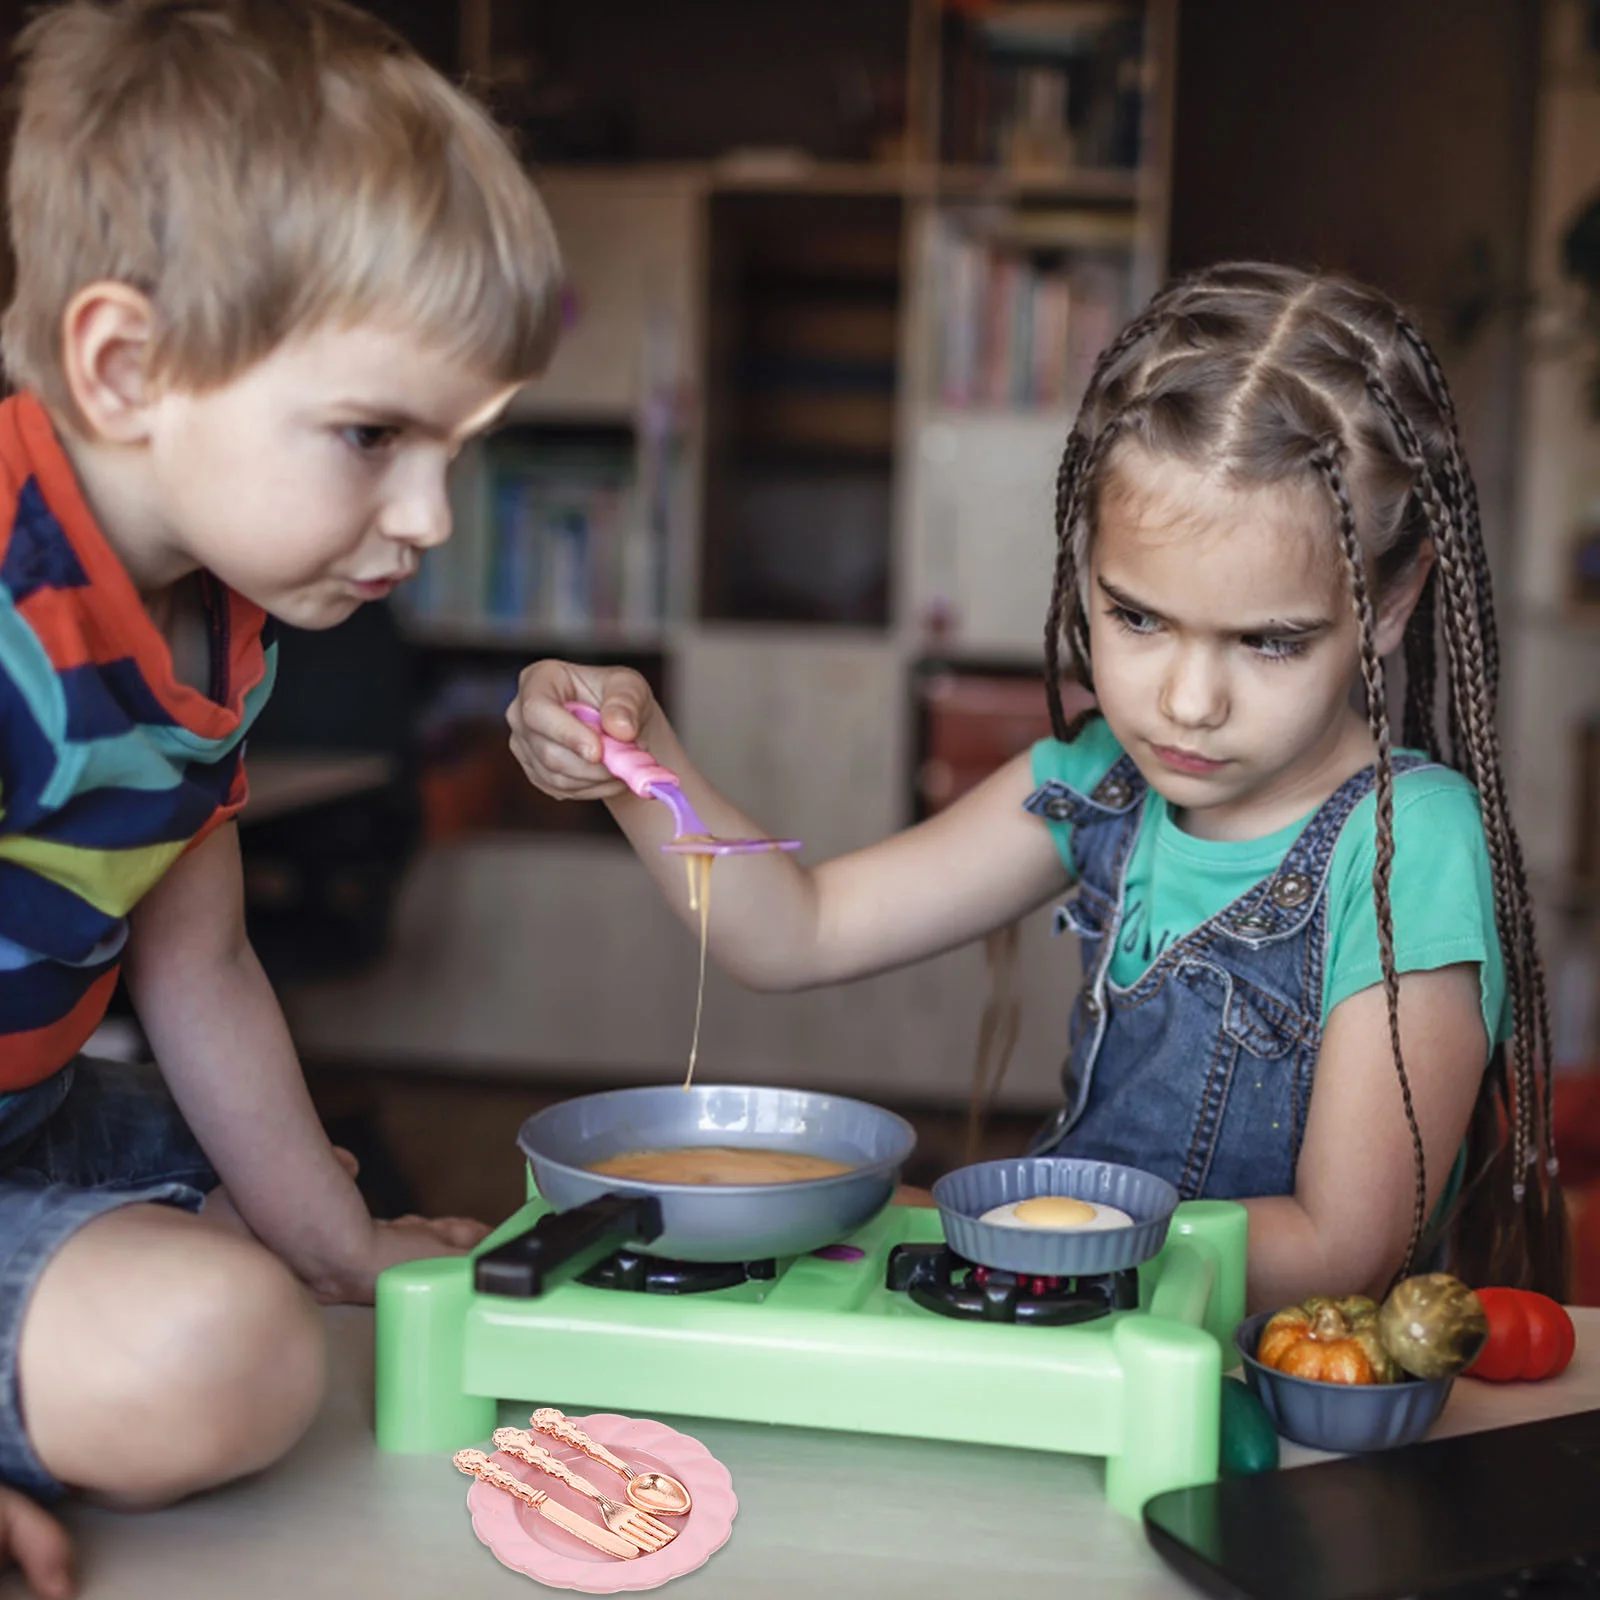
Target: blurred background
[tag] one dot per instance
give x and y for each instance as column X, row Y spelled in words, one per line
column 838, row 272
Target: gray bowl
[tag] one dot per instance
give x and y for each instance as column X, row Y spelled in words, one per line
column 964, row 1195
column 725, row 1222
column 1340, row 1416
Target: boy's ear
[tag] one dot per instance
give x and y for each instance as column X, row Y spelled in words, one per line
column 107, row 332
column 1400, row 600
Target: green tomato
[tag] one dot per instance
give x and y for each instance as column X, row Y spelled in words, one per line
column 1433, row 1325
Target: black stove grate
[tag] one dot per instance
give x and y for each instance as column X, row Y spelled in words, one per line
column 936, row 1278
column 635, row 1273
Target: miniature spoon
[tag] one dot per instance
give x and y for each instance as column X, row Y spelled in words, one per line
column 648, row 779
column 649, row 1491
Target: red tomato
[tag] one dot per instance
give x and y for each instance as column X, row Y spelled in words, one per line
column 1530, row 1336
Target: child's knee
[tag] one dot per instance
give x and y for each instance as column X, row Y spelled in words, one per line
column 240, row 1361
column 245, row 1330
column 213, row 1362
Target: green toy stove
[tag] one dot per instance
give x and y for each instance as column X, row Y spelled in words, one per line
column 885, row 1332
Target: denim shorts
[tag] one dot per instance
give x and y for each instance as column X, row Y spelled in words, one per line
column 96, row 1136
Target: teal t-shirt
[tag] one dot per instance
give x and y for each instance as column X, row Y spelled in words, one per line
column 1441, row 889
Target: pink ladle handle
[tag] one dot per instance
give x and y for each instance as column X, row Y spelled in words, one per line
column 635, row 767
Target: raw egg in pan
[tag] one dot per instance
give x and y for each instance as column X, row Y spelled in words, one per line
column 1057, row 1212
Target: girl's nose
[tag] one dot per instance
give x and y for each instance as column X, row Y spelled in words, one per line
column 1194, row 692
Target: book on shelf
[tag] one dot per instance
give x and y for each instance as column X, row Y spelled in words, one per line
column 1019, row 328
column 548, row 535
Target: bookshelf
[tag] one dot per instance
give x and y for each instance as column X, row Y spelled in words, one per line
column 1552, row 643
column 758, row 470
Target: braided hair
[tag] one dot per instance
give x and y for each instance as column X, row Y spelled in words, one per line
column 1275, row 375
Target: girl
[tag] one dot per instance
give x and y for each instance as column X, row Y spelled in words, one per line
column 1310, row 979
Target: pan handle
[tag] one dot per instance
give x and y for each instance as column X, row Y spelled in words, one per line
column 568, row 1241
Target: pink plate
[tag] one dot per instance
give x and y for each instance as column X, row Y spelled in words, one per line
column 524, row 1541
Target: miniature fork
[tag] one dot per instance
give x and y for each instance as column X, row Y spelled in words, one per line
column 648, row 779
column 627, row 1522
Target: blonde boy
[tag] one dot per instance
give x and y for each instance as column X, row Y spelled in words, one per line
column 271, row 273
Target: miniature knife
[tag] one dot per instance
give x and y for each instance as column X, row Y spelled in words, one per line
column 479, row 1465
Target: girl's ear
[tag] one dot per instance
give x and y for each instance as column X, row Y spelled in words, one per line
column 1400, row 600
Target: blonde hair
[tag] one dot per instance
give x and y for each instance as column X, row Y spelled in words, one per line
column 260, row 168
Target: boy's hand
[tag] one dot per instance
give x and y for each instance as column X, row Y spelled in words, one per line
column 33, row 1540
column 561, row 755
column 407, row 1238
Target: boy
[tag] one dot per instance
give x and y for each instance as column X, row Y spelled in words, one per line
column 272, row 273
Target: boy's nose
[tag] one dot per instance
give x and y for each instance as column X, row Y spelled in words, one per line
column 420, row 516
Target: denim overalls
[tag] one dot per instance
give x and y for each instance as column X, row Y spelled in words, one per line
column 1201, row 1071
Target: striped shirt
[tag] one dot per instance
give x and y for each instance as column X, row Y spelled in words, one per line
column 110, row 768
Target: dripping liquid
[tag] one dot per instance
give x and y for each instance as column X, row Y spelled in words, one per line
column 699, row 870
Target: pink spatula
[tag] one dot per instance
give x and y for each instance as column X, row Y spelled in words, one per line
column 647, row 778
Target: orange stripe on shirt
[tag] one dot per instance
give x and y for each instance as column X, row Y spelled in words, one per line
column 14, row 471
column 30, row 1058
column 69, row 635
column 238, row 795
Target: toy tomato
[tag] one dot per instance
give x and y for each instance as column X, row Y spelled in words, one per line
column 1530, row 1336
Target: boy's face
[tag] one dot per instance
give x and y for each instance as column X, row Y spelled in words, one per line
column 316, row 479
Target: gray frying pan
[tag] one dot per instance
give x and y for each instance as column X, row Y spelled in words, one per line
column 596, row 1215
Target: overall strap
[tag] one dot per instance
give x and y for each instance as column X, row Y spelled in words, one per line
column 1281, row 903
column 1103, row 821
column 1116, row 794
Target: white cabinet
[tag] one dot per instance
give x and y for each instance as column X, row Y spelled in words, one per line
column 800, row 728
column 979, row 543
column 630, row 246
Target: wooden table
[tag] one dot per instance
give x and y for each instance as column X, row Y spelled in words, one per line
column 821, row 1514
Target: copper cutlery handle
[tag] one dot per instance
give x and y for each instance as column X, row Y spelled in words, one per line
column 516, row 1443
column 548, row 1420
column 478, row 1465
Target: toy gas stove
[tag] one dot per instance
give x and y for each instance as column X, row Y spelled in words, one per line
column 888, row 1331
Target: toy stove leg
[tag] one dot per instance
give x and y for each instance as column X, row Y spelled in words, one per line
column 1171, row 1404
column 418, row 1359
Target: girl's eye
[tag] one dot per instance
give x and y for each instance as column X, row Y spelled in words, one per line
column 1275, row 649
column 369, row 439
column 1133, row 621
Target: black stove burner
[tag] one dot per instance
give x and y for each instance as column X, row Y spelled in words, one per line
column 634, row 1273
column 939, row 1280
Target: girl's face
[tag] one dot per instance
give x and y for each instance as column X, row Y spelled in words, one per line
column 1225, row 644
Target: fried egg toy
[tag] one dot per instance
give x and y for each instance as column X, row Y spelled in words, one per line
column 1059, row 1213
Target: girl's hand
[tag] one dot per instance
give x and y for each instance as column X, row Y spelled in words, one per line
column 408, row 1238
column 560, row 754
column 33, row 1540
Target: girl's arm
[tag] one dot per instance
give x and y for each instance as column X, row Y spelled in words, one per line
column 774, row 923
column 1344, row 1230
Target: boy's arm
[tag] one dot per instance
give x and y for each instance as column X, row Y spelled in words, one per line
column 224, row 1048
column 1344, row 1229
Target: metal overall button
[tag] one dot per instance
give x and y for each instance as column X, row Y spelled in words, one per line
column 1058, row 808
column 1291, row 890
column 1253, row 921
column 1091, row 1004
column 1113, row 792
